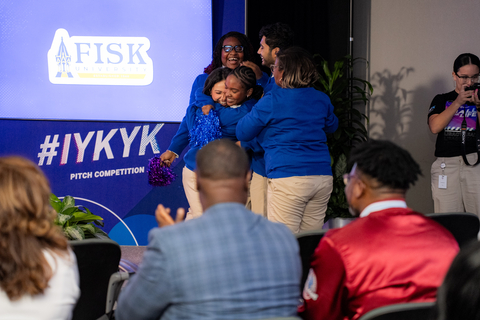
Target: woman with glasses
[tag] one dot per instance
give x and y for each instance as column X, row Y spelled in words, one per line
column 453, row 117
column 230, row 51
column 291, row 123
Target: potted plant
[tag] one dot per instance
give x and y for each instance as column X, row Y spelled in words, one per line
column 344, row 91
column 77, row 222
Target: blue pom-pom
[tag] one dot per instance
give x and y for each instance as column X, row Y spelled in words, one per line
column 205, row 130
column 159, row 174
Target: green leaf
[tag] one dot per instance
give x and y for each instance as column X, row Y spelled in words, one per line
column 62, row 219
column 88, row 228
column 74, row 233
column 84, row 217
column 69, row 210
column 99, row 223
column 56, row 203
column 68, row 201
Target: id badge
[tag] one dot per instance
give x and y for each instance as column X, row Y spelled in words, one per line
column 442, row 181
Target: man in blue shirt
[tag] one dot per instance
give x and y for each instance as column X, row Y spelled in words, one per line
column 273, row 38
column 227, row 264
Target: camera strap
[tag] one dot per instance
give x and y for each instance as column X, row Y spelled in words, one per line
column 464, row 139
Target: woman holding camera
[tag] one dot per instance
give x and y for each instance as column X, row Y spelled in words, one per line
column 455, row 180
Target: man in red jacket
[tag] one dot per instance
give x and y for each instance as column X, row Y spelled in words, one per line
column 391, row 254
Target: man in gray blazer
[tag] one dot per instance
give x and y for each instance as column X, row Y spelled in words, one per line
column 228, row 264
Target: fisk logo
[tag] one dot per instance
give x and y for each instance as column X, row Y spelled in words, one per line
column 99, row 60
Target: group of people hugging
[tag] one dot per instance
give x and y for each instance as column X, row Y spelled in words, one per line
column 232, row 263
column 280, row 120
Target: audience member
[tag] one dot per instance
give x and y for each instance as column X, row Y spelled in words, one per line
column 391, row 254
column 290, row 123
column 228, row 264
column 38, row 272
column 459, row 296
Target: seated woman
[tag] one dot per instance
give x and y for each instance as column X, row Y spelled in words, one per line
column 38, row 271
column 291, row 123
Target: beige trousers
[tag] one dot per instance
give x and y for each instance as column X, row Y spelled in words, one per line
column 258, row 194
column 463, row 185
column 189, row 179
column 299, row 202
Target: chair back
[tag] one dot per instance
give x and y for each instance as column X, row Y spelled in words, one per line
column 97, row 261
column 308, row 241
column 401, row 311
column 463, row 225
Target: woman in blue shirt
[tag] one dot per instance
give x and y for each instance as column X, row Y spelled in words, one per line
column 229, row 111
column 290, row 123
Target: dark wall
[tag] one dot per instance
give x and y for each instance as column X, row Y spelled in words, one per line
column 320, row 26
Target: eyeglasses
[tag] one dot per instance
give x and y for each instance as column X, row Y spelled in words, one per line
column 236, row 48
column 348, row 176
column 272, row 67
column 474, row 78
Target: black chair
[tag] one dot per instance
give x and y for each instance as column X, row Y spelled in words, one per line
column 463, row 225
column 99, row 277
column 401, row 311
column 308, row 242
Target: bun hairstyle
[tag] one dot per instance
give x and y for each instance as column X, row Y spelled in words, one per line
column 249, row 80
column 465, row 59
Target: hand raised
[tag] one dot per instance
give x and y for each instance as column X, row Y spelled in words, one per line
column 162, row 215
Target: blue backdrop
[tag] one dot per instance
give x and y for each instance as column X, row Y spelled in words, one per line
column 103, row 164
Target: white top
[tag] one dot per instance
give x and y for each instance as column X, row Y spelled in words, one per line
column 58, row 300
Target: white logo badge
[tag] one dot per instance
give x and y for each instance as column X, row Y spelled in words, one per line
column 99, row 60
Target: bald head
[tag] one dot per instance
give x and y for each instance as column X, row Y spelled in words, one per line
column 223, row 173
column 222, row 159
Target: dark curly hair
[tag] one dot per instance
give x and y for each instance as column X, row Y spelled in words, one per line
column 458, row 297
column 248, row 52
column 386, row 162
column 277, row 35
column 248, row 79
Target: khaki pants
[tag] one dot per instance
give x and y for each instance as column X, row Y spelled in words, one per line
column 258, row 194
column 189, row 179
column 299, row 202
column 463, row 185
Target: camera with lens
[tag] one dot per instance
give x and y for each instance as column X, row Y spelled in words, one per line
column 474, row 87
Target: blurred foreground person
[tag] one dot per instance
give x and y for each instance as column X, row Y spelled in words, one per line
column 38, row 272
column 227, row 264
column 459, row 296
